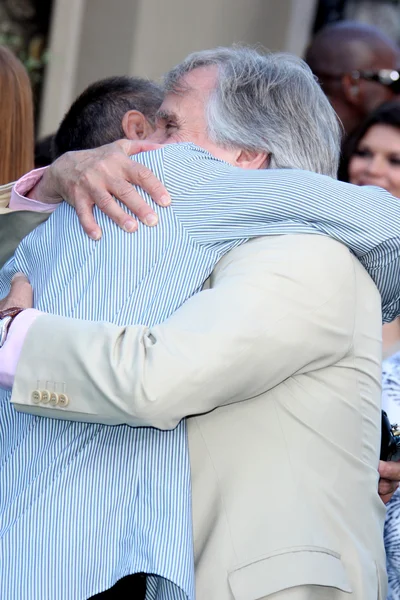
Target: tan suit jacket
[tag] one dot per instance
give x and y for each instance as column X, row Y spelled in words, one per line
column 286, row 348
column 14, row 225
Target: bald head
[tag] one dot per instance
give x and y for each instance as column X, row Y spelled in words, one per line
column 342, row 48
column 348, row 46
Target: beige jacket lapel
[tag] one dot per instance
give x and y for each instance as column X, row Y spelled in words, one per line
column 14, row 225
column 5, row 194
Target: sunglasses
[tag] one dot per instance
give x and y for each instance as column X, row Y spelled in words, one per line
column 388, row 77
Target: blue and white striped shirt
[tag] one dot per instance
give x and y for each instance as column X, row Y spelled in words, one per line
column 391, row 404
column 82, row 505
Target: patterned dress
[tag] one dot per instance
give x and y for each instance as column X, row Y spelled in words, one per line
column 391, row 403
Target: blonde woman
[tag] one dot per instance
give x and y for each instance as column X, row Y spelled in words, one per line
column 16, row 149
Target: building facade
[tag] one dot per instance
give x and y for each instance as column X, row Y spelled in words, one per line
column 92, row 39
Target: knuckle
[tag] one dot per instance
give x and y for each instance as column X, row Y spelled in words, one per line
column 68, row 156
column 66, row 159
column 82, row 204
column 104, row 202
column 144, row 174
column 113, row 154
column 83, row 180
column 143, row 210
column 122, row 190
column 82, row 213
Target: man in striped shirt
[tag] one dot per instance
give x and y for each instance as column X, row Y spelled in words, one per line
column 235, row 205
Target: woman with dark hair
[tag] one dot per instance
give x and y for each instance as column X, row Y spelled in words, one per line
column 371, row 156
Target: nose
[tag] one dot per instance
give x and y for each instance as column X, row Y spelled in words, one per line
column 376, row 166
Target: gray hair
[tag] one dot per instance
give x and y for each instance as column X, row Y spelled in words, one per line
column 267, row 102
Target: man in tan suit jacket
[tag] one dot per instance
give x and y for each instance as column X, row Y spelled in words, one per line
column 284, row 484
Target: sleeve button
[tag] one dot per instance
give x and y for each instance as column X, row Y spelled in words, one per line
column 36, row 396
column 54, row 399
column 63, row 400
column 45, row 397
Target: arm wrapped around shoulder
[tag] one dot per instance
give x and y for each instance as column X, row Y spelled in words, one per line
column 277, row 306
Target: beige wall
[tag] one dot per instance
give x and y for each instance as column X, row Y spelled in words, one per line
column 204, row 24
column 108, row 31
column 92, row 39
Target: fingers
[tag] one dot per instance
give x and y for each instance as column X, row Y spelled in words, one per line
column 84, row 211
column 92, row 177
column 387, row 498
column 143, row 177
column 91, row 193
column 390, row 478
column 124, row 191
column 389, row 470
column 127, row 194
column 21, row 293
column 386, row 489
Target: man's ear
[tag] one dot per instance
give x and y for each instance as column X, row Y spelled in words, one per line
column 352, row 90
column 251, row 159
column 135, row 125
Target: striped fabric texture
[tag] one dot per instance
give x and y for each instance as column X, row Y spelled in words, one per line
column 83, row 505
column 391, row 403
column 391, row 387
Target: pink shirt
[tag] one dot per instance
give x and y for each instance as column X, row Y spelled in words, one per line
column 18, row 201
column 11, row 351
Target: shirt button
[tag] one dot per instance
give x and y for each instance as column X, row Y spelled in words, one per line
column 53, row 399
column 45, row 397
column 36, row 396
column 63, row 400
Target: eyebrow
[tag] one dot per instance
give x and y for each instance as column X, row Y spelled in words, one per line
column 164, row 115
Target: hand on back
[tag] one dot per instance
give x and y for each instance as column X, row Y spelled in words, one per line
column 89, row 178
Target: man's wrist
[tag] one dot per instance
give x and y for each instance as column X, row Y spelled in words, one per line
column 19, row 196
column 40, row 190
column 11, row 351
column 6, row 318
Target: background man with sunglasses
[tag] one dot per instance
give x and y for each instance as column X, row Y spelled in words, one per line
column 357, row 66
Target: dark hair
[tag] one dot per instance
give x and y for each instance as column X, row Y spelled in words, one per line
column 95, row 118
column 44, row 151
column 386, row 114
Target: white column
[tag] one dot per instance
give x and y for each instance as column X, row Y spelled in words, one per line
column 59, row 84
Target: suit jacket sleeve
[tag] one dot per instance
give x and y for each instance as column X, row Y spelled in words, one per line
column 277, row 306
